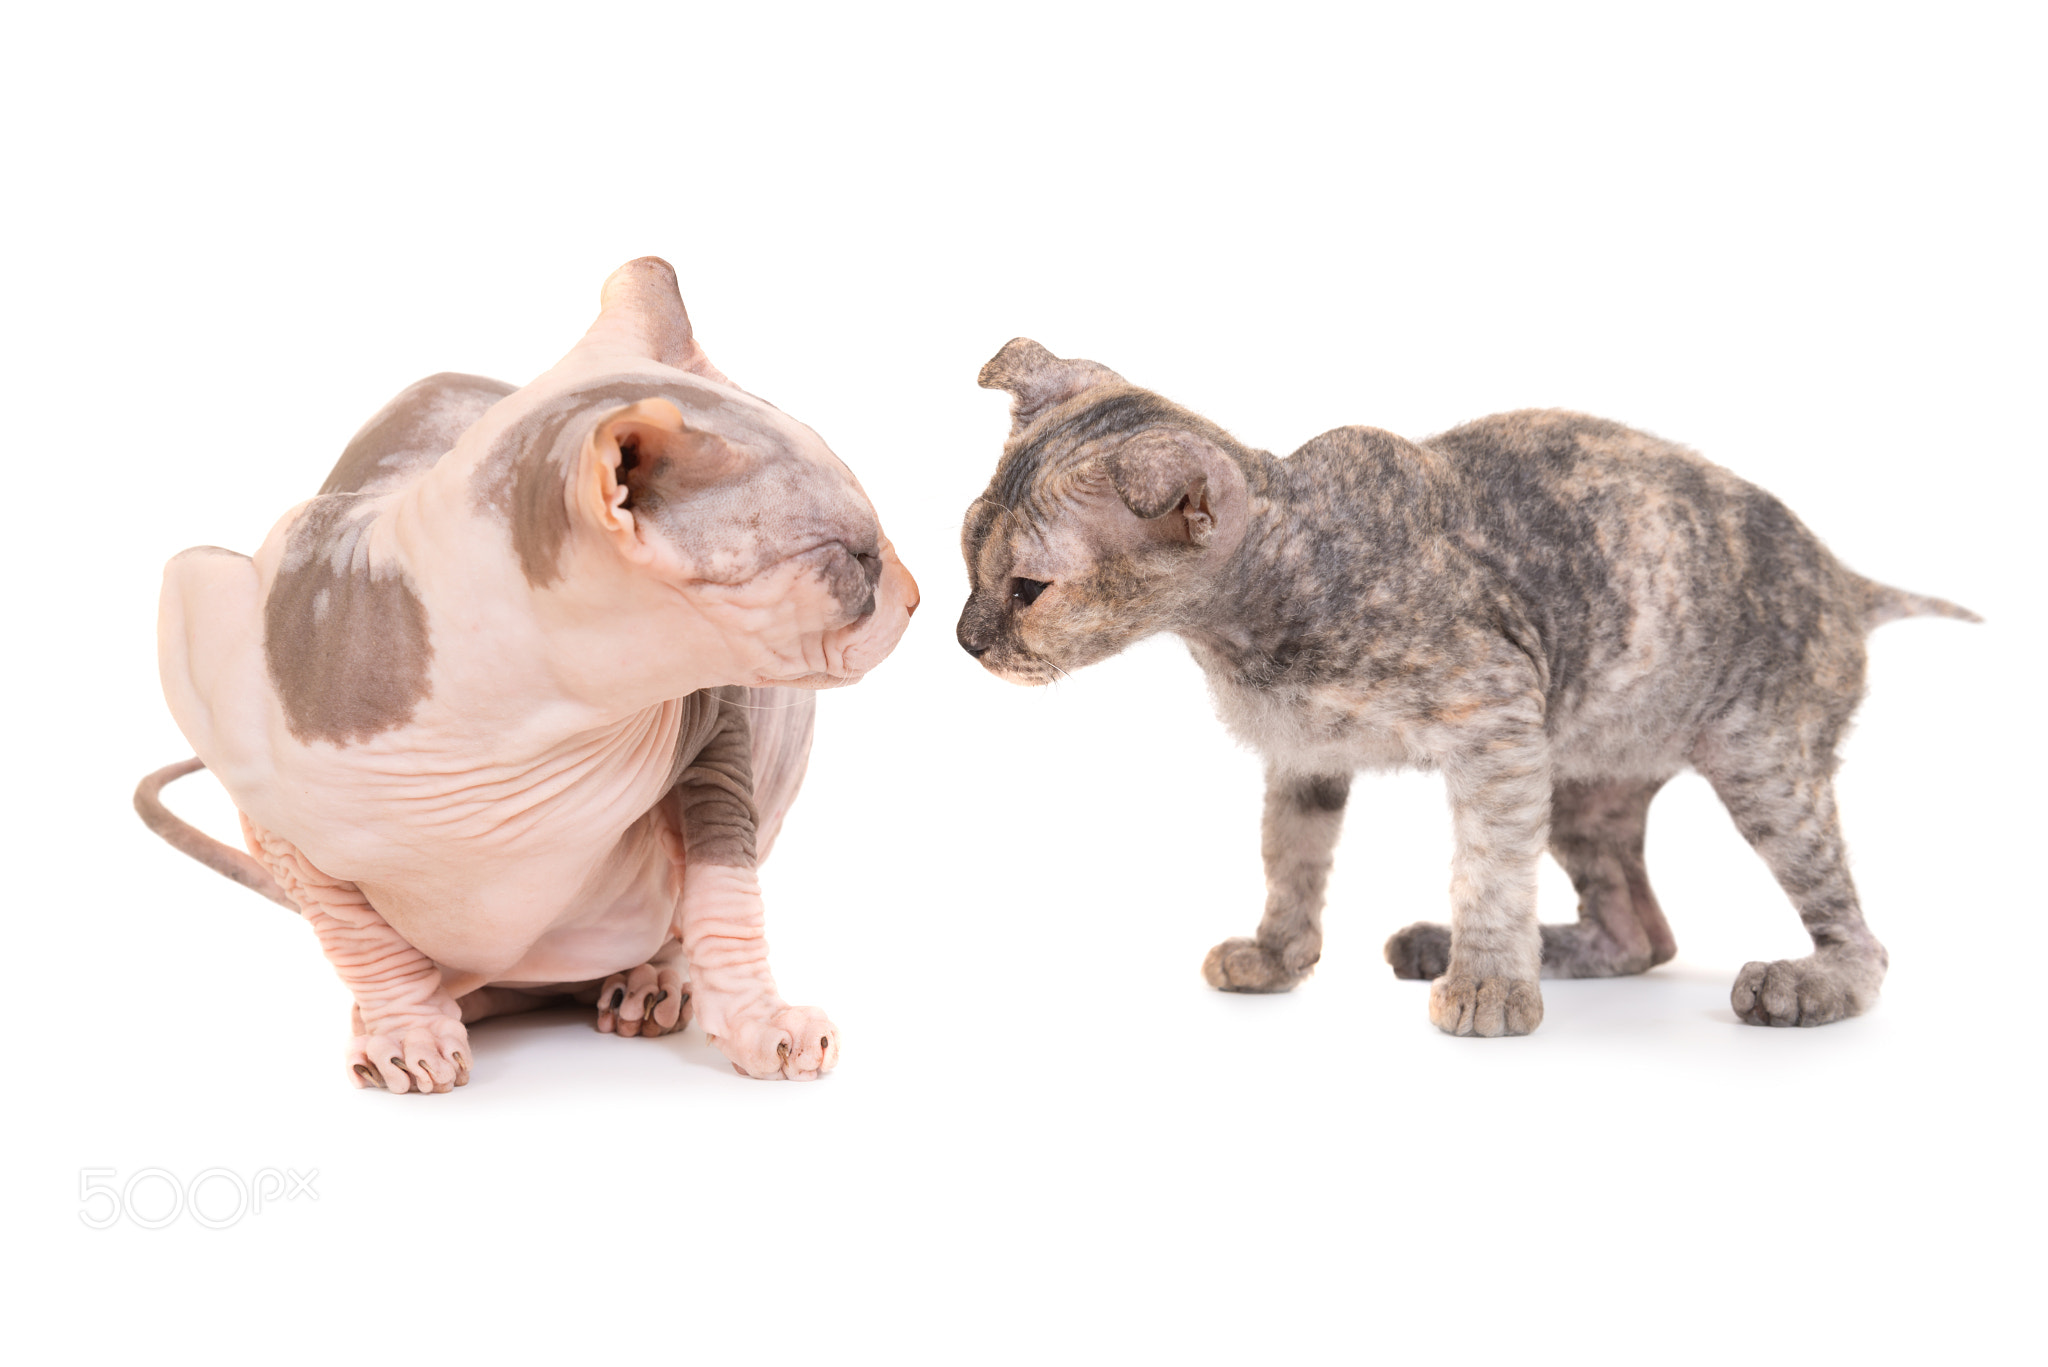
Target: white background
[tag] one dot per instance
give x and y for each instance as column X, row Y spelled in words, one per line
column 1805, row 241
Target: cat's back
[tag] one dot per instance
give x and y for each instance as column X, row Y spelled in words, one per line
column 414, row 430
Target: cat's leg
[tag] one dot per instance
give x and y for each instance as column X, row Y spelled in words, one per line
column 1499, row 787
column 1304, row 815
column 781, row 721
column 1780, row 790
column 408, row 1032
column 719, row 919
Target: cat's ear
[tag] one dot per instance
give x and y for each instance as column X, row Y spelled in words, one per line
column 1167, row 471
column 1037, row 380
column 640, row 457
column 641, row 313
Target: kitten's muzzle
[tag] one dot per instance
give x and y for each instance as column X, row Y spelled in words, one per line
column 978, row 628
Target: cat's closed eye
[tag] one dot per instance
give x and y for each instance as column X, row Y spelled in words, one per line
column 1026, row 591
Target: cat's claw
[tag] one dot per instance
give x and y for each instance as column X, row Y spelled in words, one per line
column 649, row 1000
column 428, row 1057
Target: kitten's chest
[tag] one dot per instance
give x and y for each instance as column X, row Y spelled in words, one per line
column 1321, row 727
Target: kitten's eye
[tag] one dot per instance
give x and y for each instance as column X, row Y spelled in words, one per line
column 1026, row 591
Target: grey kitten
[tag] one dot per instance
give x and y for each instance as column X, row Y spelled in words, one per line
column 1556, row 612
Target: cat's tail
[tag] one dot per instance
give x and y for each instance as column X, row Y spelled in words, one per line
column 222, row 859
column 1882, row 603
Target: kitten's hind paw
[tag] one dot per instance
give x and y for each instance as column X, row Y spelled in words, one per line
column 1422, row 950
column 1809, row 991
column 1242, row 965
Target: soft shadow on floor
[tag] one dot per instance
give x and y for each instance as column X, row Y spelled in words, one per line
column 1670, row 995
column 563, row 1043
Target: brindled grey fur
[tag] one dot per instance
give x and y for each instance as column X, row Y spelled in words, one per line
column 1555, row 612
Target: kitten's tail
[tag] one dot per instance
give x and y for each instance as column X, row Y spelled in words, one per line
column 1882, row 603
column 222, row 859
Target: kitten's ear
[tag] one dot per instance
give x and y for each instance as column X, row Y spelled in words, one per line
column 641, row 312
column 1166, row 470
column 1038, row 380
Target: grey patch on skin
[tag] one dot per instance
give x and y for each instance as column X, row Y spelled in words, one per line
column 764, row 492
column 1555, row 611
column 712, row 796
column 346, row 642
column 414, row 430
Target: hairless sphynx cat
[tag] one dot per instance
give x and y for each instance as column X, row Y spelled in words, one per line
column 514, row 706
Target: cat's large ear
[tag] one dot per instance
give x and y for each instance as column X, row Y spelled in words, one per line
column 1166, row 470
column 640, row 457
column 642, row 313
column 1038, row 380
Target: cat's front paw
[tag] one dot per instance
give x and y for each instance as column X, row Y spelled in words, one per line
column 1422, row 950
column 1242, row 965
column 796, row 1042
column 418, row 1056
column 1462, row 1005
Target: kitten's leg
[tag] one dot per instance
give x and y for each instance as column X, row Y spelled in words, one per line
column 1782, row 796
column 408, row 1030
column 1303, row 817
column 1499, row 787
column 719, row 919
column 1596, row 834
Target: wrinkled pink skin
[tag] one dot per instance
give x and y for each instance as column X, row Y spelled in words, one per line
column 516, row 839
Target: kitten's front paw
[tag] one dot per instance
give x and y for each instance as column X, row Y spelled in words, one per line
column 797, row 1043
column 426, row 1056
column 1242, row 965
column 1809, row 991
column 1422, row 950
column 1485, row 1006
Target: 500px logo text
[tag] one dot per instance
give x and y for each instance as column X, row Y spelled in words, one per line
column 217, row 1198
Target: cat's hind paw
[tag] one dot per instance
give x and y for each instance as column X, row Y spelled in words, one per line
column 649, row 1000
